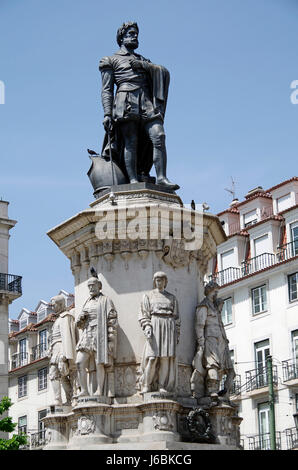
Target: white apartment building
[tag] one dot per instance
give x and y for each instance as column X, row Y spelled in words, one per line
column 29, row 388
column 10, row 289
column 257, row 269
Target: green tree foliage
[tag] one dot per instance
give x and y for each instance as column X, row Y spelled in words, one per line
column 6, row 425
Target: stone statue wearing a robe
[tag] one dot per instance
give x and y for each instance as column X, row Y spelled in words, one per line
column 212, row 359
column 96, row 348
column 159, row 319
column 62, row 351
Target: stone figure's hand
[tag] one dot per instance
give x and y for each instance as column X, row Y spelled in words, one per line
column 201, row 343
column 111, row 347
column 64, row 359
column 136, row 64
column 107, row 123
column 148, row 331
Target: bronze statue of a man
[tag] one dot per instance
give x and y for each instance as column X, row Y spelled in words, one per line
column 134, row 115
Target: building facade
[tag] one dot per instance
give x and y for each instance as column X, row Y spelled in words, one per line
column 10, row 289
column 29, row 388
column 257, row 269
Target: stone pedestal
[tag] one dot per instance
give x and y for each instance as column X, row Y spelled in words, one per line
column 141, row 225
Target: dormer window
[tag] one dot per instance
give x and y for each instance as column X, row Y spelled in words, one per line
column 41, row 315
column 283, row 202
column 23, row 323
column 250, row 218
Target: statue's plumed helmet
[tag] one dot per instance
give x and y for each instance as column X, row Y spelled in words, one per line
column 212, row 285
column 122, row 30
column 160, row 274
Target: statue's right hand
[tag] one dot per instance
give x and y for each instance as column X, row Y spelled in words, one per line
column 148, row 331
column 107, row 123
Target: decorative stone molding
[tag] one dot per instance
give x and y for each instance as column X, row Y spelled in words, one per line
column 86, row 425
column 163, row 421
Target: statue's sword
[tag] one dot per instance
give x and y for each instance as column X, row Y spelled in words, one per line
column 112, row 195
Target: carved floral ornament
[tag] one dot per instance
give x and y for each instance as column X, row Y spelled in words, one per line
column 163, row 421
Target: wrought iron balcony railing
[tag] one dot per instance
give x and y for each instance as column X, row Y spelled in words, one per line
column 19, row 360
column 226, row 275
column 9, row 283
column 39, row 351
column 37, row 439
column 289, row 369
column 292, row 438
column 258, row 378
column 287, row 251
column 262, row 441
column 258, row 263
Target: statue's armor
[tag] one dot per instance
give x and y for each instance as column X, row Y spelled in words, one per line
column 88, row 340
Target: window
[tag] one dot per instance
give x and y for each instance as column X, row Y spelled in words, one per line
column 41, row 314
column 43, row 339
column 22, row 424
column 41, row 427
column 294, row 233
column 283, row 202
column 261, row 245
column 295, row 346
column 23, row 351
column 22, row 386
column 42, row 378
column 228, row 259
column 23, row 323
column 263, row 420
column 259, row 300
column 292, row 284
column 226, row 313
column 262, row 351
column 250, row 218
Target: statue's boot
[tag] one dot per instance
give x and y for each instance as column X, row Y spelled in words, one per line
column 66, row 384
column 212, row 388
column 131, row 166
column 160, row 168
column 57, row 392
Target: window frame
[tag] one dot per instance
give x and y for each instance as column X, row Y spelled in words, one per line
column 22, row 387
column 24, row 426
column 289, row 289
column 263, row 310
column 42, row 379
column 225, row 314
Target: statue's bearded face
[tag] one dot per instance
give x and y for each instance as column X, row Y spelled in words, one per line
column 94, row 288
column 130, row 38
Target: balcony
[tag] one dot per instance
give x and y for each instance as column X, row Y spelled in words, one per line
column 19, row 360
column 39, row 351
column 262, row 441
column 287, row 251
column 289, row 370
column 226, row 275
column 37, row 440
column 258, row 378
column 236, row 387
column 11, row 285
column 253, row 265
column 292, row 438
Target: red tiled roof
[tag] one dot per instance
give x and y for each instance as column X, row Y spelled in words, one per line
column 295, row 178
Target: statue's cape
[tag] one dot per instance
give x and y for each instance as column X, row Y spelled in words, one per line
column 68, row 335
column 159, row 80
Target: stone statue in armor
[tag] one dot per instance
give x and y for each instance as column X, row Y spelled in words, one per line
column 159, row 319
column 96, row 348
column 62, row 351
column 212, row 359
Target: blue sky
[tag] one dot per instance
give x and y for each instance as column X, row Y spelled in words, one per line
column 229, row 110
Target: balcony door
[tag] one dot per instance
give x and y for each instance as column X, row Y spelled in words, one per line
column 262, row 351
column 263, row 420
column 42, row 341
column 295, row 347
column 294, row 235
column 23, row 351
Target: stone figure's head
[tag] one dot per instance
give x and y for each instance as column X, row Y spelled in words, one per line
column 58, row 303
column 160, row 280
column 127, row 35
column 211, row 289
column 94, row 286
